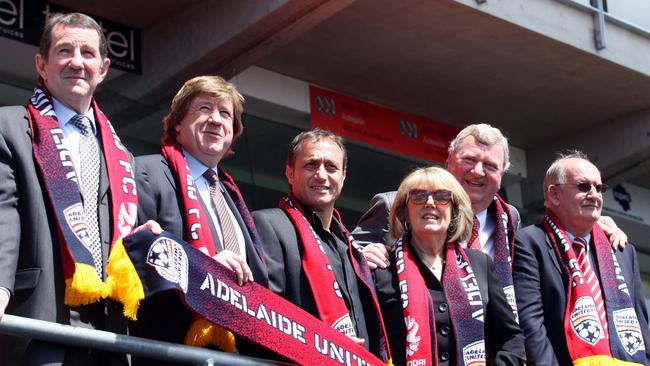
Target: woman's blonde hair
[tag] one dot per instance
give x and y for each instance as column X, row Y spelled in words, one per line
column 433, row 178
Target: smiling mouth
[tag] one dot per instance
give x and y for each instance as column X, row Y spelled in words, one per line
column 320, row 188
column 430, row 216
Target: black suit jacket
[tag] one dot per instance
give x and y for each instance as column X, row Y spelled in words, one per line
column 283, row 254
column 160, row 200
column 541, row 296
column 30, row 261
column 504, row 340
column 373, row 226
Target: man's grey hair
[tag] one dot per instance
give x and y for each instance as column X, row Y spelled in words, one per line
column 555, row 173
column 486, row 135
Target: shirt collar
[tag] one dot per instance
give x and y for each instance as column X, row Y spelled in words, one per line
column 587, row 238
column 64, row 114
column 481, row 217
column 197, row 168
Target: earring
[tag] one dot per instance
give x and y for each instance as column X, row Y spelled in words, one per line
column 407, row 226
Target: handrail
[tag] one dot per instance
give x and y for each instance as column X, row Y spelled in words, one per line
column 609, row 17
column 117, row 343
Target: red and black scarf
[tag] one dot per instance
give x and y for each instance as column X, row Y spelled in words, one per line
column 465, row 307
column 83, row 286
column 504, row 240
column 325, row 289
column 200, row 236
column 581, row 315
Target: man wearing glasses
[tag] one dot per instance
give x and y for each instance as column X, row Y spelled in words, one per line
column 578, row 299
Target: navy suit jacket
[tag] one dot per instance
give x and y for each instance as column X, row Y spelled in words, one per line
column 541, row 290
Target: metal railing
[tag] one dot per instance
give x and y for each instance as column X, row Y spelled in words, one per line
column 117, row 343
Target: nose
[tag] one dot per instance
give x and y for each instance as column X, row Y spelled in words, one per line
column 321, row 173
column 478, row 169
column 76, row 61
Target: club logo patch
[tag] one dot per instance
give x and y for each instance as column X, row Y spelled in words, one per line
column 412, row 337
column 585, row 321
column 170, row 261
column 628, row 330
column 344, row 325
column 74, row 216
column 474, row 353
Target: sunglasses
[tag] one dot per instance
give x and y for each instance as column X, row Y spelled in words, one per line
column 440, row 197
column 586, row 186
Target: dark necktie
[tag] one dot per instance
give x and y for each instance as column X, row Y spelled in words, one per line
column 89, row 157
column 580, row 249
column 227, row 225
column 474, row 242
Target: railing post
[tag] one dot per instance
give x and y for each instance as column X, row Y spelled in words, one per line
column 600, row 37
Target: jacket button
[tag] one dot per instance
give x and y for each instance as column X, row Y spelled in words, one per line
column 444, row 330
column 444, row 356
column 442, row 307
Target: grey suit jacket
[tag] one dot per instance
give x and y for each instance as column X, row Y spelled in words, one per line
column 541, row 296
column 30, row 261
column 373, row 226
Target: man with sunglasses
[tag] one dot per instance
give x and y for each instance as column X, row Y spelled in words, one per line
column 578, row 299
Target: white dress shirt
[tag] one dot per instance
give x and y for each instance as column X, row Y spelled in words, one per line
column 487, row 226
column 72, row 134
column 197, row 169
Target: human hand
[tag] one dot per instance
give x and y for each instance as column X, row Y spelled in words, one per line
column 359, row 341
column 236, row 264
column 4, row 300
column 615, row 235
column 377, row 255
column 152, row 225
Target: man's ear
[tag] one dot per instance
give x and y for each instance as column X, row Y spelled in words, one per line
column 39, row 62
column 289, row 172
column 553, row 193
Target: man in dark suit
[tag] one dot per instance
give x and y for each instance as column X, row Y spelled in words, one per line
column 577, row 297
column 186, row 191
column 308, row 251
column 66, row 195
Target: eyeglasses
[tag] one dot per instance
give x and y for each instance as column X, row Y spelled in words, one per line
column 440, row 197
column 585, row 187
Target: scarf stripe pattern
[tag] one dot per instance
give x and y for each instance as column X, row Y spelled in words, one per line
column 199, row 235
column 504, row 240
column 585, row 337
column 465, row 307
column 83, row 286
column 330, row 304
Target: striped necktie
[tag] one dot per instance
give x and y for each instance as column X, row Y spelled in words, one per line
column 228, row 232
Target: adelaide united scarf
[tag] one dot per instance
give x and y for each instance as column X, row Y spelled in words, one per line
column 504, row 240
column 83, row 286
column 325, row 289
column 465, row 307
column 585, row 337
column 200, row 236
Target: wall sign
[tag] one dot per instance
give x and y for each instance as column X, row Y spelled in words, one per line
column 22, row 20
column 379, row 126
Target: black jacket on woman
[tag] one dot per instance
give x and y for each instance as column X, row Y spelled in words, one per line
column 504, row 340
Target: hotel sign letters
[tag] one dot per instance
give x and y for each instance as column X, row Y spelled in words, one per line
column 22, row 20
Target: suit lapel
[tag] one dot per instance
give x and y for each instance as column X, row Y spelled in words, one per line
column 552, row 255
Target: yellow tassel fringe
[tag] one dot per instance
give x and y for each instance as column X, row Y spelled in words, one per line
column 123, row 280
column 202, row 333
column 602, row 360
column 85, row 287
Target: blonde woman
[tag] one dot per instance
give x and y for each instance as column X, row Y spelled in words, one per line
column 442, row 304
